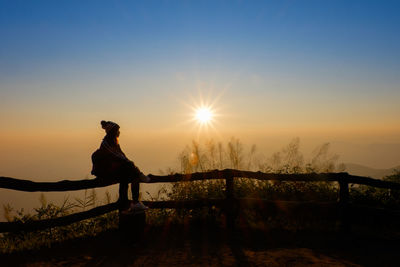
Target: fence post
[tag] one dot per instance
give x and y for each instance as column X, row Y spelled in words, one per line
column 344, row 203
column 230, row 201
column 131, row 226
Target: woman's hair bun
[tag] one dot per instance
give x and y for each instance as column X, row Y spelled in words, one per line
column 109, row 126
column 103, row 124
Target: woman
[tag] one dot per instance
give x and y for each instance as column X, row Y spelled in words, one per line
column 109, row 162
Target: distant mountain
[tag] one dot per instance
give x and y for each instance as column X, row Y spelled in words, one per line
column 382, row 155
column 361, row 170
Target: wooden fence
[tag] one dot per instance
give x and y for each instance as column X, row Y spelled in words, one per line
column 230, row 203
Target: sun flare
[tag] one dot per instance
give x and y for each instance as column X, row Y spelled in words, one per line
column 204, row 115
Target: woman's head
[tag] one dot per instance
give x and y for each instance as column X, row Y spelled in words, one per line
column 111, row 128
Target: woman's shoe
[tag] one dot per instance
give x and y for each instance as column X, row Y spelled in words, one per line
column 139, row 206
column 134, row 208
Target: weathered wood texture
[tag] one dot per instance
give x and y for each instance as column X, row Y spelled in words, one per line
column 353, row 179
column 327, row 210
column 48, row 223
column 65, row 185
column 222, row 174
column 230, row 204
column 70, row 185
column 60, row 221
column 271, row 206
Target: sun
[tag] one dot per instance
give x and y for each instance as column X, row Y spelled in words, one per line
column 204, row 115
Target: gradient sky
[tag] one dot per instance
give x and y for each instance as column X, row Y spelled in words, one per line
column 326, row 71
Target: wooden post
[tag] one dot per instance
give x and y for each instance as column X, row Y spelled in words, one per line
column 131, row 226
column 230, row 201
column 344, row 203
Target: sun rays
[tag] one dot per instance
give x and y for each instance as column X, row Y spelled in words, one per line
column 203, row 113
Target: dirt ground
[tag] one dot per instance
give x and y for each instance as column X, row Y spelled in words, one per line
column 204, row 245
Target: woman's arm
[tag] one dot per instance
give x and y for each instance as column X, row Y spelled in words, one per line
column 114, row 150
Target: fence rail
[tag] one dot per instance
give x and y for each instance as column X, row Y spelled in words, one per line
column 229, row 203
column 71, row 185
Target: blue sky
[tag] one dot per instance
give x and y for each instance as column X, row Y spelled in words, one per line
column 39, row 35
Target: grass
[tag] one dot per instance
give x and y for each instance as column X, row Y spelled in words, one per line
column 202, row 158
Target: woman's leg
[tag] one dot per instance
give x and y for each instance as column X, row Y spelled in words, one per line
column 123, row 192
column 129, row 173
column 133, row 173
column 135, row 191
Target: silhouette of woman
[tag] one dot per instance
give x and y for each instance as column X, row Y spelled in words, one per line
column 109, row 162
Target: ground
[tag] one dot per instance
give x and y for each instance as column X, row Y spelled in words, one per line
column 204, row 245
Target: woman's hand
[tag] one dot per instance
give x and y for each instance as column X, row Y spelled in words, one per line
column 144, row 178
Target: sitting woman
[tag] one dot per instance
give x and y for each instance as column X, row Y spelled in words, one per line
column 109, row 162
